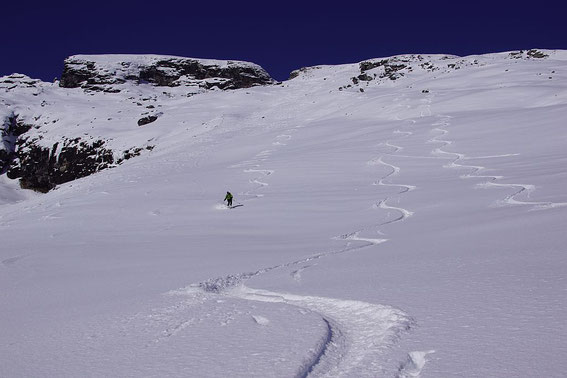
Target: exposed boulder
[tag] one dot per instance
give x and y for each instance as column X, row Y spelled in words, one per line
column 108, row 72
column 147, row 119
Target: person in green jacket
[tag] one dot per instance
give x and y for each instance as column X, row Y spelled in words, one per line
column 228, row 199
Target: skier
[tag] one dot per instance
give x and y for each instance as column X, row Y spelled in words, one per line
column 228, row 199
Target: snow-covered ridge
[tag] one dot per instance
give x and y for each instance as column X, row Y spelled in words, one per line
column 18, row 80
column 149, row 59
column 109, row 108
column 105, row 72
column 388, row 69
column 69, row 134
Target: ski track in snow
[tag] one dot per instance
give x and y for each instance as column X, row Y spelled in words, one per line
column 475, row 170
column 221, row 284
column 255, row 165
column 383, row 203
column 395, row 171
column 357, row 331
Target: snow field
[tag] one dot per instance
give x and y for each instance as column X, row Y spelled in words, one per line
column 385, row 233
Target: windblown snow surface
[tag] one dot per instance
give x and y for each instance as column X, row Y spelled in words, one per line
column 415, row 228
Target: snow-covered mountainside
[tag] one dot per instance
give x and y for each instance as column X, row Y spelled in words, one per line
column 401, row 216
column 72, row 133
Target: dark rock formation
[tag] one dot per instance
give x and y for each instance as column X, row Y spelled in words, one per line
column 365, row 77
column 132, row 152
column 147, row 119
column 107, row 72
column 533, row 54
column 42, row 168
column 10, row 130
column 6, row 157
column 391, row 67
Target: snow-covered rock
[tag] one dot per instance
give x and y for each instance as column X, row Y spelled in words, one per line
column 108, row 72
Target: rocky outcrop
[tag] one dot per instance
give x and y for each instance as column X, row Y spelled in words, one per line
column 42, row 168
column 391, row 68
column 6, row 145
column 303, row 71
column 108, row 72
column 18, row 81
column 10, row 130
column 147, row 119
column 529, row 54
column 6, row 157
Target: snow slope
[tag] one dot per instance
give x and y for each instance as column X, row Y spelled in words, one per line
column 409, row 225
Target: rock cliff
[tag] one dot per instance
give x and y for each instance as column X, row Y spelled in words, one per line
column 108, row 72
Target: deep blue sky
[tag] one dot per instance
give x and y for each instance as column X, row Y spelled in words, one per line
column 280, row 36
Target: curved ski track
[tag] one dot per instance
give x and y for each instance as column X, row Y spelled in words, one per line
column 383, row 203
column 357, row 332
column 475, row 171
